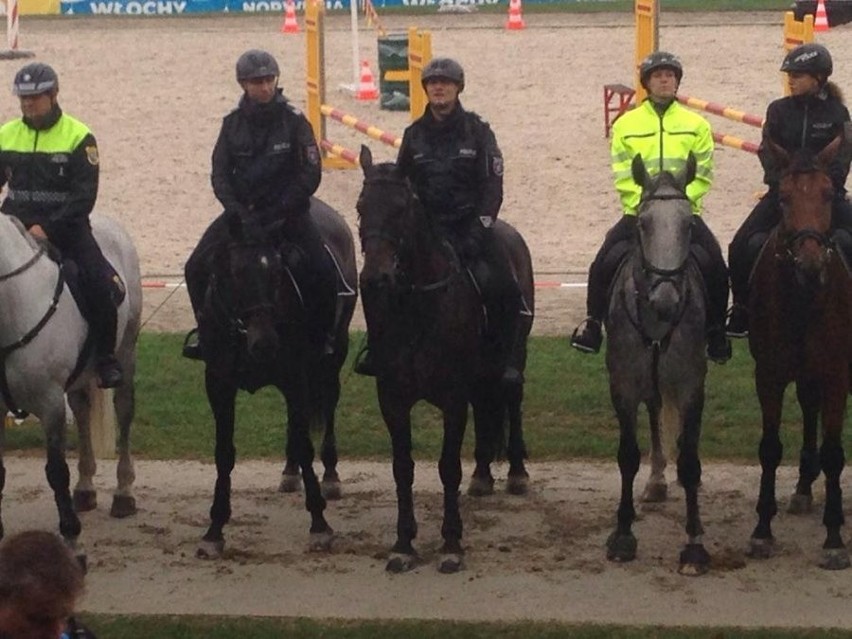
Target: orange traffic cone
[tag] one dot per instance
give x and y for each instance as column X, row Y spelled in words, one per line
column 290, row 24
column 515, row 21
column 821, row 17
column 367, row 89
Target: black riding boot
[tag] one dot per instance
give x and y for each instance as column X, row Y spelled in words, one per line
column 108, row 369
column 364, row 364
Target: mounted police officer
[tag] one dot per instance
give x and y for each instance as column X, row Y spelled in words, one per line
column 266, row 166
column 809, row 118
column 456, row 169
column 49, row 164
column 663, row 133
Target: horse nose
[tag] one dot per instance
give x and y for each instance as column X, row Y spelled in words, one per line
column 261, row 344
column 664, row 300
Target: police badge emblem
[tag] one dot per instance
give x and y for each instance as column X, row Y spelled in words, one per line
column 313, row 155
column 92, row 155
column 497, row 165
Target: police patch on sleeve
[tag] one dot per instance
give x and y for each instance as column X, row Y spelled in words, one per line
column 92, row 155
column 497, row 165
column 313, row 155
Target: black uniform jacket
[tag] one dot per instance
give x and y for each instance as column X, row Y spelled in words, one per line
column 805, row 122
column 455, row 166
column 266, row 159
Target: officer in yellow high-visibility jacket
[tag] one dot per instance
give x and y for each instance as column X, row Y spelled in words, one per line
column 663, row 133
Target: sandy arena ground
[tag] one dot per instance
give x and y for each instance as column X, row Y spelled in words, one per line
column 154, row 92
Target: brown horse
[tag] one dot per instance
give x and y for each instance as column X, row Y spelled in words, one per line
column 424, row 317
column 801, row 310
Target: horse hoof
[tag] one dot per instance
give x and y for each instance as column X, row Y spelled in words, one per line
column 321, row 541
column 655, row 493
column 400, row 563
column 517, row 485
column 760, row 548
column 834, row 559
column 85, row 500
column 480, row 487
column 800, row 504
column 621, row 548
column 450, row 563
column 694, row 561
column 210, row 549
column 122, row 506
column 331, row 489
column 290, row 484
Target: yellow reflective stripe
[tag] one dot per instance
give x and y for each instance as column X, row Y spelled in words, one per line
column 65, row 136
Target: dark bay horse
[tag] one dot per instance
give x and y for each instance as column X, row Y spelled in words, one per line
column 424, row 318
column 800, row 310
column 656, row 357
column 45, row 353
column 261, row 334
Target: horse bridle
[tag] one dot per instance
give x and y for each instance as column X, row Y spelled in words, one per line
column 666, row 274
column 398, row 242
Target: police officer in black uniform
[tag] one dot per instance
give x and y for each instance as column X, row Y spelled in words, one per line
column 49, row 164
column 453, row 161
column 811, row 117
column 266, row 166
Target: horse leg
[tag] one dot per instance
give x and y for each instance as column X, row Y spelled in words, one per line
column 770, row 392
column 834, row 553
column 291, row 479
column 124, row 401
column 801, row 501
column 694, row 559
column 621, row 544
column 450, row 471
column 221, row 395
column 321, row 532
column 488, row 411
column 656, row 489
column 85, row 496
column 331, row 488
column 58, row 475
column 518, row 479
column 396, row 414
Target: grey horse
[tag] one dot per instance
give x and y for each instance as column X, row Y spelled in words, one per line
column 44, row 355
column 656, row 356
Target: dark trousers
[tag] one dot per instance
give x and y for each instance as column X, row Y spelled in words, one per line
column 309, row 263
column 621, row 237
column 754, row 231
column 487, row 260
column 77, row 243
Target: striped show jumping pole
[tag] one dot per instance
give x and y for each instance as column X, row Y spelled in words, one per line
column 12, row 25
column 729, row 113
column 359, row 125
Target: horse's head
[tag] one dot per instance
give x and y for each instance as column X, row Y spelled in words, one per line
column 806, row 193
column 250, row 268
column 665, row 222
column 385, row 219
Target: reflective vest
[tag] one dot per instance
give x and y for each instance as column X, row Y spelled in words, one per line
column 664, row 142
column 51, row 174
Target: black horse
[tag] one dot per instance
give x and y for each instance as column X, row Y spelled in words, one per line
column 424, row 316
column 258, row 324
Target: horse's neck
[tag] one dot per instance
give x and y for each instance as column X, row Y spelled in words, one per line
column 428, row 256
column 25, row 296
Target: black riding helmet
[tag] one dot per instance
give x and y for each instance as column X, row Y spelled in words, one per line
column 444, row 68
column 34, row 79
column 810, row 58
column 256, row 63
column 659, row 60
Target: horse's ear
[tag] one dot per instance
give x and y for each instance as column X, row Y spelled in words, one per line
column 640, row 174
column 689, row 174
column 365, row 158
column 778, row 152
column 826, row 156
